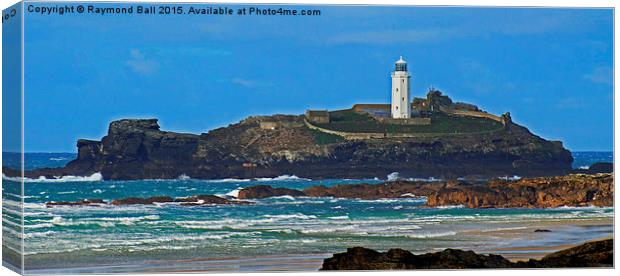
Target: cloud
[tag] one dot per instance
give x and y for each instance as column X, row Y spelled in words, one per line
column 140, row 64
column 601, row 75
column 250, row 83
column 244, row 82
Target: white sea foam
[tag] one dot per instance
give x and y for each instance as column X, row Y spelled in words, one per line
column 95, row 177
column 510, row 178
column 285, row 177
column 228, row 180
column 396, row 176
column 68, row 192
column 234, row 193
column 429, row 235
column 103, row 222
column 291, row 216
column 57, row 158
column 283, row 197
column 584, row 167
column 38, row 234
column 339, row 217
column 450, row 206
column 393, row 176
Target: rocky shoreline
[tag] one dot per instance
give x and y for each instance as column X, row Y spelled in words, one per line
column 542, row 192
column 591, row 254
column 575, row 190
column 196, row 200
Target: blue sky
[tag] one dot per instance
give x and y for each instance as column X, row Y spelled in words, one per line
column 551, row 68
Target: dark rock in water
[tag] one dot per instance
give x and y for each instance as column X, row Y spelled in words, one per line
column 396, row 189
column 138, row 149
column 188, row 201
column 544, row 192
column 136, row 200
column 208, row 200
column 542, row 230
column 264, row 191
column 600, row 167
column 85, row 202
column 592, row 254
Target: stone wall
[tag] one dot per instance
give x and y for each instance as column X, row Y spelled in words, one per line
column 478, row 114
column 378, row 135
column 409, row 121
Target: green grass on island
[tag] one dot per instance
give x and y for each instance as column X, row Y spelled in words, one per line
column 322, row 138
column 351, row 121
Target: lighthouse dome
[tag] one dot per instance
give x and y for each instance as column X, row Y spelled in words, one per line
column 401, row 64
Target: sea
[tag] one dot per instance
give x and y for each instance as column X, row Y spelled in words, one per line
column 274, row 234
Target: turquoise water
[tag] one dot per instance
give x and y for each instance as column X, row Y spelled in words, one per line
column 62, row 237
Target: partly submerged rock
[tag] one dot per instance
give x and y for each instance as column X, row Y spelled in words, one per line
column 136, row 200
column 208, row 200
column 592, row 254
column 599, row 167
column 265, row 191
column 543, row 192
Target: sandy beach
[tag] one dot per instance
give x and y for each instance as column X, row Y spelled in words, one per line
column 524, row 244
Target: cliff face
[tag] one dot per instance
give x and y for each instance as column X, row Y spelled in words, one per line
column 138, row 149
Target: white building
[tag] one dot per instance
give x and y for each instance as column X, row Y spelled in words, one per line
column 401, row 108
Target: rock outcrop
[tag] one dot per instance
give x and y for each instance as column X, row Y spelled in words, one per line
column 137, row 200
column 196, row 200
column 542, row 192
column 138, row 149
column 545, row 192
column 264, row 191
column 396, row 189
column 599, row 167
column 592, row 254
column 208, row 200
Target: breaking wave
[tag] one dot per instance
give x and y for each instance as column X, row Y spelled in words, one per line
column 95, row 177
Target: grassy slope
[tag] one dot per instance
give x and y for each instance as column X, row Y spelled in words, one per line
column 350, row 121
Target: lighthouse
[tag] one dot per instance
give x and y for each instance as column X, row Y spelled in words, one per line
column 401, row 109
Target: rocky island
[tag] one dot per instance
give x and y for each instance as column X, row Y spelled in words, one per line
column 448, row 140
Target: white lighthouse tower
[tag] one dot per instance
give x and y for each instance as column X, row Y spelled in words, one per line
column 401, row 109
